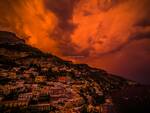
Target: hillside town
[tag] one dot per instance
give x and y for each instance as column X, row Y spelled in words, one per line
column 35, row 82
column 37, row 89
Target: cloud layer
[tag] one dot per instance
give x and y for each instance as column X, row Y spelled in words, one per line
column 109, row 34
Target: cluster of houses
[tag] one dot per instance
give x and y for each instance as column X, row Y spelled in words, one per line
column 63, row 94
column 59, row 91
column 33, row 89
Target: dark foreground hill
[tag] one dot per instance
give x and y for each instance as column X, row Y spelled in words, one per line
column 32, row 81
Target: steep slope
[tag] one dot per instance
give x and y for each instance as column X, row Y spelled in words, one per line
column 15, row 50
column 38, row 80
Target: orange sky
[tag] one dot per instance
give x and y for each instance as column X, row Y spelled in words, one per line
column 109, row 34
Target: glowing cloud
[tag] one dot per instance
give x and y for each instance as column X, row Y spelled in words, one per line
column 105, row 25
column 29, row 19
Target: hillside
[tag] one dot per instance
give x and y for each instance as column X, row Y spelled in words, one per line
column 33, row 81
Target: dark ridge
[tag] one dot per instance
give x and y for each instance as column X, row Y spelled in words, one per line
column 8, row 37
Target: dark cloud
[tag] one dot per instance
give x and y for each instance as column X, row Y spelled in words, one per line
column 106, row 5
column 143, row 23
column 139, row 36
column 64, row 11
column 132, row 38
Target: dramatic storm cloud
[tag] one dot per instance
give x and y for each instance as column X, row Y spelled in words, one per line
column 115, row 34
column 109, row 34
column 29, row 19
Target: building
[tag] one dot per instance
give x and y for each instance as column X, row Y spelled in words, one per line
column 42, row 107
column 39, row 79
column 55, row 69
column 108, row 106
column 57, row 91
column 25, row 96
column 64, row 79
column 15, row 103
column 1, row 98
